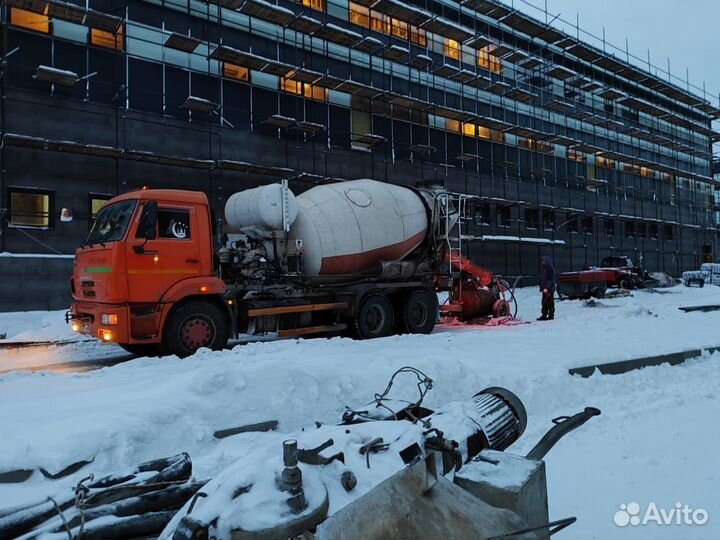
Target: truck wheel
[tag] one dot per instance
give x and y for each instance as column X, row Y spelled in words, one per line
column 195, row 325
column 375, row 317
column 419, row 312
column 139, row 349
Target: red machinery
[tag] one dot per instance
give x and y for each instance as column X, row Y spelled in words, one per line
column 478, row 293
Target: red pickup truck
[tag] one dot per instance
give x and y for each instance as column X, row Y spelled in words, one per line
column 619, row 272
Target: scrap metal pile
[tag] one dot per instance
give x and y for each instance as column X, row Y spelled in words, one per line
column 420, row 474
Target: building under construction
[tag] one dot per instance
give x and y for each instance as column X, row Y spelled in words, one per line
column 571, row 150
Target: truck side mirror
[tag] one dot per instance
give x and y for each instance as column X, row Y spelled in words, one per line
column 66, row 215
column 148, row 223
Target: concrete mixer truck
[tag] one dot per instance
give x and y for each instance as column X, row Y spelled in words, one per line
column 157, row 276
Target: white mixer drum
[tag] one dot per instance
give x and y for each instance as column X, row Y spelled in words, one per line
column 260, row 207
column 350, row 227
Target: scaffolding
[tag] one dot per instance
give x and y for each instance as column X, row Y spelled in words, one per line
column 545, row 131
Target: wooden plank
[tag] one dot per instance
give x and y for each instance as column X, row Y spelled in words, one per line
column 303, row 308
column 295, row 332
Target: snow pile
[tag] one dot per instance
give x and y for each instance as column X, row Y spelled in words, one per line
column 28, row 326
column 653, row 443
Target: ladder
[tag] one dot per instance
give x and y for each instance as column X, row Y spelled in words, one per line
column 452, row 212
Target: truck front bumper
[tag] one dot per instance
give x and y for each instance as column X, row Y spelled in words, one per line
column 108, row 323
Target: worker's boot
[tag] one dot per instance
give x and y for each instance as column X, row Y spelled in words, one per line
column 542, row 318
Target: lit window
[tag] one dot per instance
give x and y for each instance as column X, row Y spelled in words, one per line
column 233, row 71
column 30, row 20
column 317, row 5
column 452, row 49
column 528, row 144
column 604, row 162
column 316, row 93
column 469, row 130
column 30, row 208
column 399, row 29
column 380, row 22
column 95, row 203
column 574, row 155
column 359, row 15
column 452, row 125
column 108, row 40
column 488, row 61
column 418, row 36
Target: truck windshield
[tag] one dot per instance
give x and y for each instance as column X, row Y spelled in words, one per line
column 111, row 223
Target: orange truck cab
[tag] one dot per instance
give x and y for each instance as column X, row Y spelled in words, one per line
column 147, row 266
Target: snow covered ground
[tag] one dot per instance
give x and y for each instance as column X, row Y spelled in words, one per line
column 656, row 441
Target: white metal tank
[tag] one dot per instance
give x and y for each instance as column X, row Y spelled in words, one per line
column 350, row 227
column 260, row 207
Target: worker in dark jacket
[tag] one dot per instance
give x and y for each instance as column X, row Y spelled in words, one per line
column 547, row 288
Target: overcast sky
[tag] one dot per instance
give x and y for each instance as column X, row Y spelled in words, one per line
column 686, row 31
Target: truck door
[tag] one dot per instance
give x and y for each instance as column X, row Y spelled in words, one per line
column 155, row 265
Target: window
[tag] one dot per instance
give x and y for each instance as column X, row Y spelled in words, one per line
column 31, row 208
column 571, row 223
column 629, row 229
column 574, row 155
column 317, row 5
column 503, row 216
column 380, row 22
column 304, row 89
column 359, row 15
column 668, row 233
column 233, row 71
column 95, row 203
column 400, row 29
column 469, row 130
column 482, row 214
column 587, row 225
column 549, row 221
column 641, row 230
column 532, row 218
column 418, row 36
column 653, row 231
column 174, row 224
column 111, row 223
column 452, row 49
column 528, row 144
column 29, row 20
column 108, row 40
column 609, row 227
column 604, row 162
column 488, row 61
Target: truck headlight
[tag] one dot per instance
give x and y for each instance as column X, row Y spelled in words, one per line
column 109, row 319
